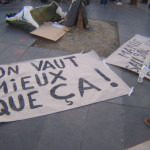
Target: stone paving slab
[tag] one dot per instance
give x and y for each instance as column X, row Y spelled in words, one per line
column 34, row 53
column 64, row 130
column 21, row 135
column 135, row 130
column 55, row 53
column 12, row 53
column 24, row 39
column 4, row 11
column 12, row 35
column 104, row 127
column 56, row 131
column 2, row 16
column 3, row 46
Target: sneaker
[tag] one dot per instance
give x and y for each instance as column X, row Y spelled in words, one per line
column 147, row 121
column 118, row 3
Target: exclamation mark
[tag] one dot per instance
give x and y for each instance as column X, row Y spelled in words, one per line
column 113, row 84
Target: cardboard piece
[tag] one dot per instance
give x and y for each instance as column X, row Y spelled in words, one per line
column 51, row 31
column 132, row 55
column 141, row 146
column 49, row 85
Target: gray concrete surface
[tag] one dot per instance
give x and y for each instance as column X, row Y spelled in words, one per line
column 115, row 124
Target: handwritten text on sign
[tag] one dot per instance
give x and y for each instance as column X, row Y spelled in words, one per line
column 40, row 87
column 133, row 55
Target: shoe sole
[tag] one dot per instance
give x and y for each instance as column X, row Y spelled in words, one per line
column 146, row 122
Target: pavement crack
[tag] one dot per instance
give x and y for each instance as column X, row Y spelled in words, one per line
column 84, row 128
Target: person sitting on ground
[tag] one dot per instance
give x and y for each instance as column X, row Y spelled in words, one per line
column 147, row 121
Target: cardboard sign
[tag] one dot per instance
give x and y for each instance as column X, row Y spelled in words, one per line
column 141, row 146
column 51, row 31
column 44, row 86
column 133, row 55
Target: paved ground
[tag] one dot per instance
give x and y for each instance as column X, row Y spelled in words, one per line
column 115, row 124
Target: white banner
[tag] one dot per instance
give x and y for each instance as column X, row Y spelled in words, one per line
column 133, row 55
column 44, row 86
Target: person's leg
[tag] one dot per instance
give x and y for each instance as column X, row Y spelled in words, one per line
column 102, row 2
column 105, row 3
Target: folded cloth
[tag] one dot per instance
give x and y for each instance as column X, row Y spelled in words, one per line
column 46, row 13
column 36, row 16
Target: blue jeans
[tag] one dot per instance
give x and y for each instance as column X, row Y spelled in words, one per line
column 103, row 2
